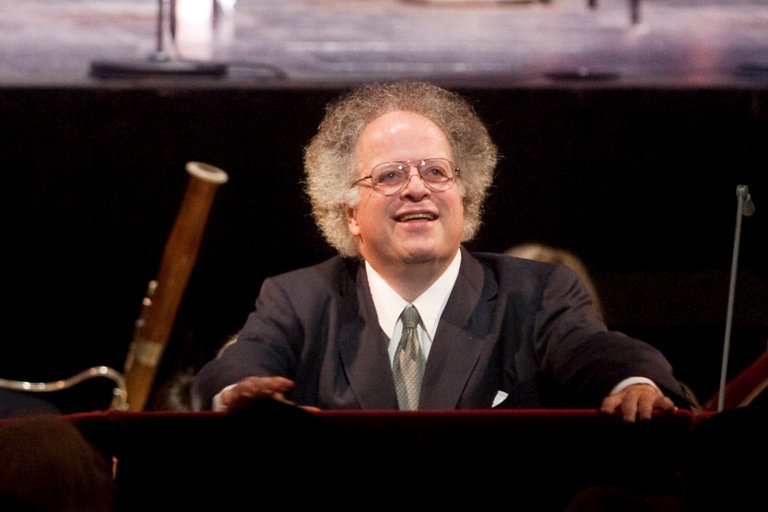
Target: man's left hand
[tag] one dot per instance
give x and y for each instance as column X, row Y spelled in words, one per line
column 637, row 401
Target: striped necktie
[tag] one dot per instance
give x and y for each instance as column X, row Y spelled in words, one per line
column 409, row 363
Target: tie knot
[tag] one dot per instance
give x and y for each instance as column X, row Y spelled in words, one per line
column 410, row 317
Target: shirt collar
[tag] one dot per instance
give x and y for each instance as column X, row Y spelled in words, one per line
column 430, row 304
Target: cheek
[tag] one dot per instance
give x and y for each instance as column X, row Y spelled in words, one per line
column 455, row 206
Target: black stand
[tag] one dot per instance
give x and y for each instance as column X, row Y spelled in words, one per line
column 160, row 63
column 745, row 208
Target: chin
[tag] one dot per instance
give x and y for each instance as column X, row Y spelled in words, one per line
column 423, row 255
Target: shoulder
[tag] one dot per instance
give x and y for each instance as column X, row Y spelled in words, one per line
column 518, row 276
column 334, row 273
column 504, row 267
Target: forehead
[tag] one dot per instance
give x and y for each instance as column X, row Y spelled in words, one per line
column 401, row 135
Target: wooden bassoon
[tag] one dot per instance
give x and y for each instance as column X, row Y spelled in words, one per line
column 155, row 323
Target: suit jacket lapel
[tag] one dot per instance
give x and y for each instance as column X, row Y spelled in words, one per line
column 363, row 346
column 455, row 349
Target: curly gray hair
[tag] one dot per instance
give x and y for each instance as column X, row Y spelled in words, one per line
column 330, row 159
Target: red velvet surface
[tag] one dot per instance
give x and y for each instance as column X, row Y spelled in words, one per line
column 278, row 452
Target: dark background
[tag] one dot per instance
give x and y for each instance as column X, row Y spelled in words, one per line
column 638, row 181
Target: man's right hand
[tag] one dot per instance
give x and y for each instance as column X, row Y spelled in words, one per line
column 251, row 389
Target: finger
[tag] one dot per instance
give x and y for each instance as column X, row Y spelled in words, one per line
column 664, row 403
column 278, row 382
column 255, row 388
column 241, row 397
column 650, row 400
column 280, row 397
column 645, row 406
column 610, row 403
column 265, row 386
column 629, row 408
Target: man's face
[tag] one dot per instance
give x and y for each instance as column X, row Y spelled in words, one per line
column 415, row 225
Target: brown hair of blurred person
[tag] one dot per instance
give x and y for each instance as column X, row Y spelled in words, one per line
column 46, row 464
column 554, row 255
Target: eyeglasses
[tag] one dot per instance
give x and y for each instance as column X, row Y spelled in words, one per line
column 389, row 178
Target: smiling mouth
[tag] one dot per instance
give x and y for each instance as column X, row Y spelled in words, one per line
column 416, row 216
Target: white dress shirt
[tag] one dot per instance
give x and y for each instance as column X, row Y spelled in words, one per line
column 430, row 304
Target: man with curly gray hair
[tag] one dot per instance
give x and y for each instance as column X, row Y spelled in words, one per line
column 405, row 317
column 330, row 158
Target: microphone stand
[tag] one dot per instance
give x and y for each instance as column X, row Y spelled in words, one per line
column 745, row 207
column 160, row 63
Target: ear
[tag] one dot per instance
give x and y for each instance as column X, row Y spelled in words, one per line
column 352, row 224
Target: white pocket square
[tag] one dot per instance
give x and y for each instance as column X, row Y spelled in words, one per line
column 500, row 397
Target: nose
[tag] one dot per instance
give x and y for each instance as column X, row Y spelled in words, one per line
column 415, row 189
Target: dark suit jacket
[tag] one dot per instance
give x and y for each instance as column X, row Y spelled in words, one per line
column 522, row 327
